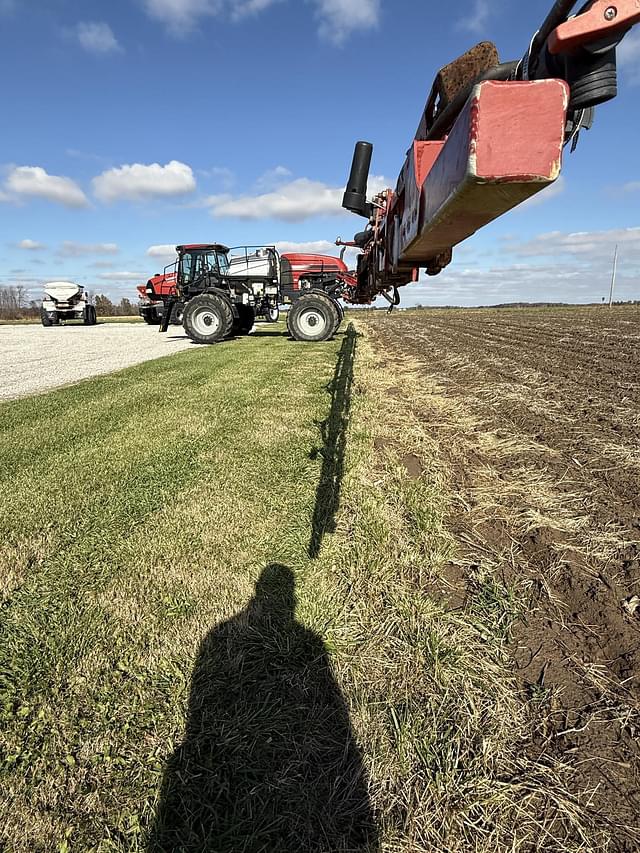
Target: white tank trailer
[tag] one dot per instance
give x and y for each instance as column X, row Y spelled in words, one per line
column 64, row 300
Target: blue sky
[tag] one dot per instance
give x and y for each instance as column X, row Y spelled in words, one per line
column 138, row 124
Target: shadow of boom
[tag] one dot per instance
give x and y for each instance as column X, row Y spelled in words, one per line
column 334, row 443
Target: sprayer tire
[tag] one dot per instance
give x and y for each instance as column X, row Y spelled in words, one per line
column 313, row 318
column 208, row 318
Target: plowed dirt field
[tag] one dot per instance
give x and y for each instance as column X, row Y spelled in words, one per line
column 536, row 417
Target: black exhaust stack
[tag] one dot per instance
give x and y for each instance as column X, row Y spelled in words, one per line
column 355, row 197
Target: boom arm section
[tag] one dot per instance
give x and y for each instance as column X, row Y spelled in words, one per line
column 490, row 136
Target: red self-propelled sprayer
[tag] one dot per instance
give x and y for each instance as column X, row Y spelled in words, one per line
column 491, row 135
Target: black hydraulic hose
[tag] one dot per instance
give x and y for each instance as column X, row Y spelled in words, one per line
column 444, row 121
column 558, row 15
column 392, row 300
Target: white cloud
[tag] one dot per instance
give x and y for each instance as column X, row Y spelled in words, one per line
column 181, row 16
column 273, row 178
column 588, row 247
column 97, row 37
column 629, row 56
column 137, row 182
column 311, row 247
column 31, row 245
column 295, row 201
column 75, row 250
column 125, row 275
column 520, row 283
column 476, row 20
column 222, row 176
column 244, row 8
column 339, row 18
column 164, row 252
column 553, row 267
column 34, row 181
column 631, row 187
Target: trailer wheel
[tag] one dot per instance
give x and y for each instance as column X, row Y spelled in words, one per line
column 313, row 317
column 45, row 318
column 272, row 315
column 208, row 318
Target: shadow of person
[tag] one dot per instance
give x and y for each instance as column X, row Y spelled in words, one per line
column 268, row 761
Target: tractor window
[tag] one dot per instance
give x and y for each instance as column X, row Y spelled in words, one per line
column 200, row 266
column 223, row 262
column 210, row 263
column 187, row 267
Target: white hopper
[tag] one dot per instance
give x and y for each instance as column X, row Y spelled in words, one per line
column 62, row 291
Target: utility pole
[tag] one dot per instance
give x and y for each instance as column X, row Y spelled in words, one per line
column 613, row 277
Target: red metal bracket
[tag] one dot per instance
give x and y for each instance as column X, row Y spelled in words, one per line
column 494, row 159
column 604, row 18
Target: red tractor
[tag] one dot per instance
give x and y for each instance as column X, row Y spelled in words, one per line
column 151, row 309
column 222, row 291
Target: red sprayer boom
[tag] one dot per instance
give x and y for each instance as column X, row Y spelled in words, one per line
column 491, row 136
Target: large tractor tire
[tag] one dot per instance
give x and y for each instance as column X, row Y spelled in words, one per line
column 313, row 317
column 245, row 321
column 208, row 318
column 90, row 318
column 45, row 318
column 272, row 315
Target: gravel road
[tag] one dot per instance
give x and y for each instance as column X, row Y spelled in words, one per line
column 34, row 359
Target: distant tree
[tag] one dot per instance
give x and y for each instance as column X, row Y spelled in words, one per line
column 126, row 309
column 14, row 304
column 104, row 306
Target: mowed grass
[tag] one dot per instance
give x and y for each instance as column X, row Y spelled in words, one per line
column 224, row 625
column 137, row 510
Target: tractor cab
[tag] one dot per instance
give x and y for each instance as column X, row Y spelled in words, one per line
column 201, row 266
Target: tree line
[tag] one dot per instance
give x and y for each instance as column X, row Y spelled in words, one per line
column 15, row 304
